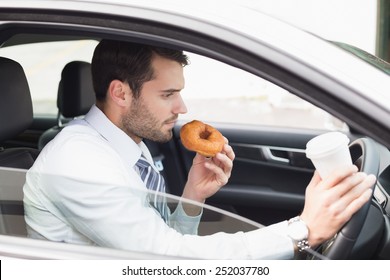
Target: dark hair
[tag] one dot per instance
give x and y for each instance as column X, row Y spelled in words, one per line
column 127, row 62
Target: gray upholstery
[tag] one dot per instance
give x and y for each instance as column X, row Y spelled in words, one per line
column 75, row 96
column 16, row 114
column 75, row 91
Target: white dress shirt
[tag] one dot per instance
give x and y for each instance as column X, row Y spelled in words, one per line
column 84, row 189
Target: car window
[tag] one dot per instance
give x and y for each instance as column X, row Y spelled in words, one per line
column 217, row 92
column 43, row 63
column 13, row 221
column 214, row 92
column 11, row 210
column 242, row 98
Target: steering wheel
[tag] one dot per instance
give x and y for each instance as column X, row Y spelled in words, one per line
column 366, row 157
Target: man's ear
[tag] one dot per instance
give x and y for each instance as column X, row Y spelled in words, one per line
column 119, row 93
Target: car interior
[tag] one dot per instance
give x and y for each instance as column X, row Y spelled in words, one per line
column 75, row 97
column 270, row 171
column 15, row 91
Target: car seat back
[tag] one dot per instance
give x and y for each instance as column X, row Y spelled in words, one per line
column 74, row 98
column 16, row 114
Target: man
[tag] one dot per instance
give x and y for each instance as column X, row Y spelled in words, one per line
column 87, row 185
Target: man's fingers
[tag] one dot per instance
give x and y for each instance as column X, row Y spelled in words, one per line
column 220, row 175
column 314, row 180
column 356, row 204
column 358, row 194
column 338, row 175
column 228, row 150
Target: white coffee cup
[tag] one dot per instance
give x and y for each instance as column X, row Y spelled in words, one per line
column 328, row 152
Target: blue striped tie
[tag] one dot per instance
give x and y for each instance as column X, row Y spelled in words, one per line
column 154, row 181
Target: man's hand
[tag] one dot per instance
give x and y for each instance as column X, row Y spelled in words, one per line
column 207, row 176
column 331, row 202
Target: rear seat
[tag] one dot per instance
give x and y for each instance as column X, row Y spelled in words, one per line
column 75, row 97
column 16, row 115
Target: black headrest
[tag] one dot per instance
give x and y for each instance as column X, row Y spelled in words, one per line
column 16, row 111
column 75, row 91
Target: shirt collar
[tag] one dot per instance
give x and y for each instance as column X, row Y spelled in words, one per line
column 117, row 138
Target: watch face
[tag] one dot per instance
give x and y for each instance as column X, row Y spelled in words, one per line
column 297, row 230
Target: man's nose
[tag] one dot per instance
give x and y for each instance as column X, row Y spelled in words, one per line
column 180, row 107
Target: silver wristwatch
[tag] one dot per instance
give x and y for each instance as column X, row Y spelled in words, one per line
column 298, row 231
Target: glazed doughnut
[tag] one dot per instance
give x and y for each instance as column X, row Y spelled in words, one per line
column 202, row 138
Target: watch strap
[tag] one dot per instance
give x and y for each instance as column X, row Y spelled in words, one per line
column 301, row 244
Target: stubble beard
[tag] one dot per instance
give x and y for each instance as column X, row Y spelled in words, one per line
column 141, row 123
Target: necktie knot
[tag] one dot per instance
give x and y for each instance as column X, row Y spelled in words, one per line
column 142, row 162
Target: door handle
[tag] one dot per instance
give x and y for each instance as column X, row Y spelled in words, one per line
column 270, row 157
column 285, row 156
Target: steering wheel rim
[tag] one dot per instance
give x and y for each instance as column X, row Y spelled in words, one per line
column 366, row 157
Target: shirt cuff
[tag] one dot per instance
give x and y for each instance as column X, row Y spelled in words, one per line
column 184, row 223
column 271, row 242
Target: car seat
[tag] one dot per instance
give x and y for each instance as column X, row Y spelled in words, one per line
column 16, row 114
column 74, row 98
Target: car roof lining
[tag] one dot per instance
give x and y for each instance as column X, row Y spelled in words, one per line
column 30, row 38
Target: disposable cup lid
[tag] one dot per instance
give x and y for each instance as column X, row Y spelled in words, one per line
column 325, row 143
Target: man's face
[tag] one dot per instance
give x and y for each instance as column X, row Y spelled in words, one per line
column 153, row 115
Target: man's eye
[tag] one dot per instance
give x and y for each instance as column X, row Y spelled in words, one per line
column 169, row 94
